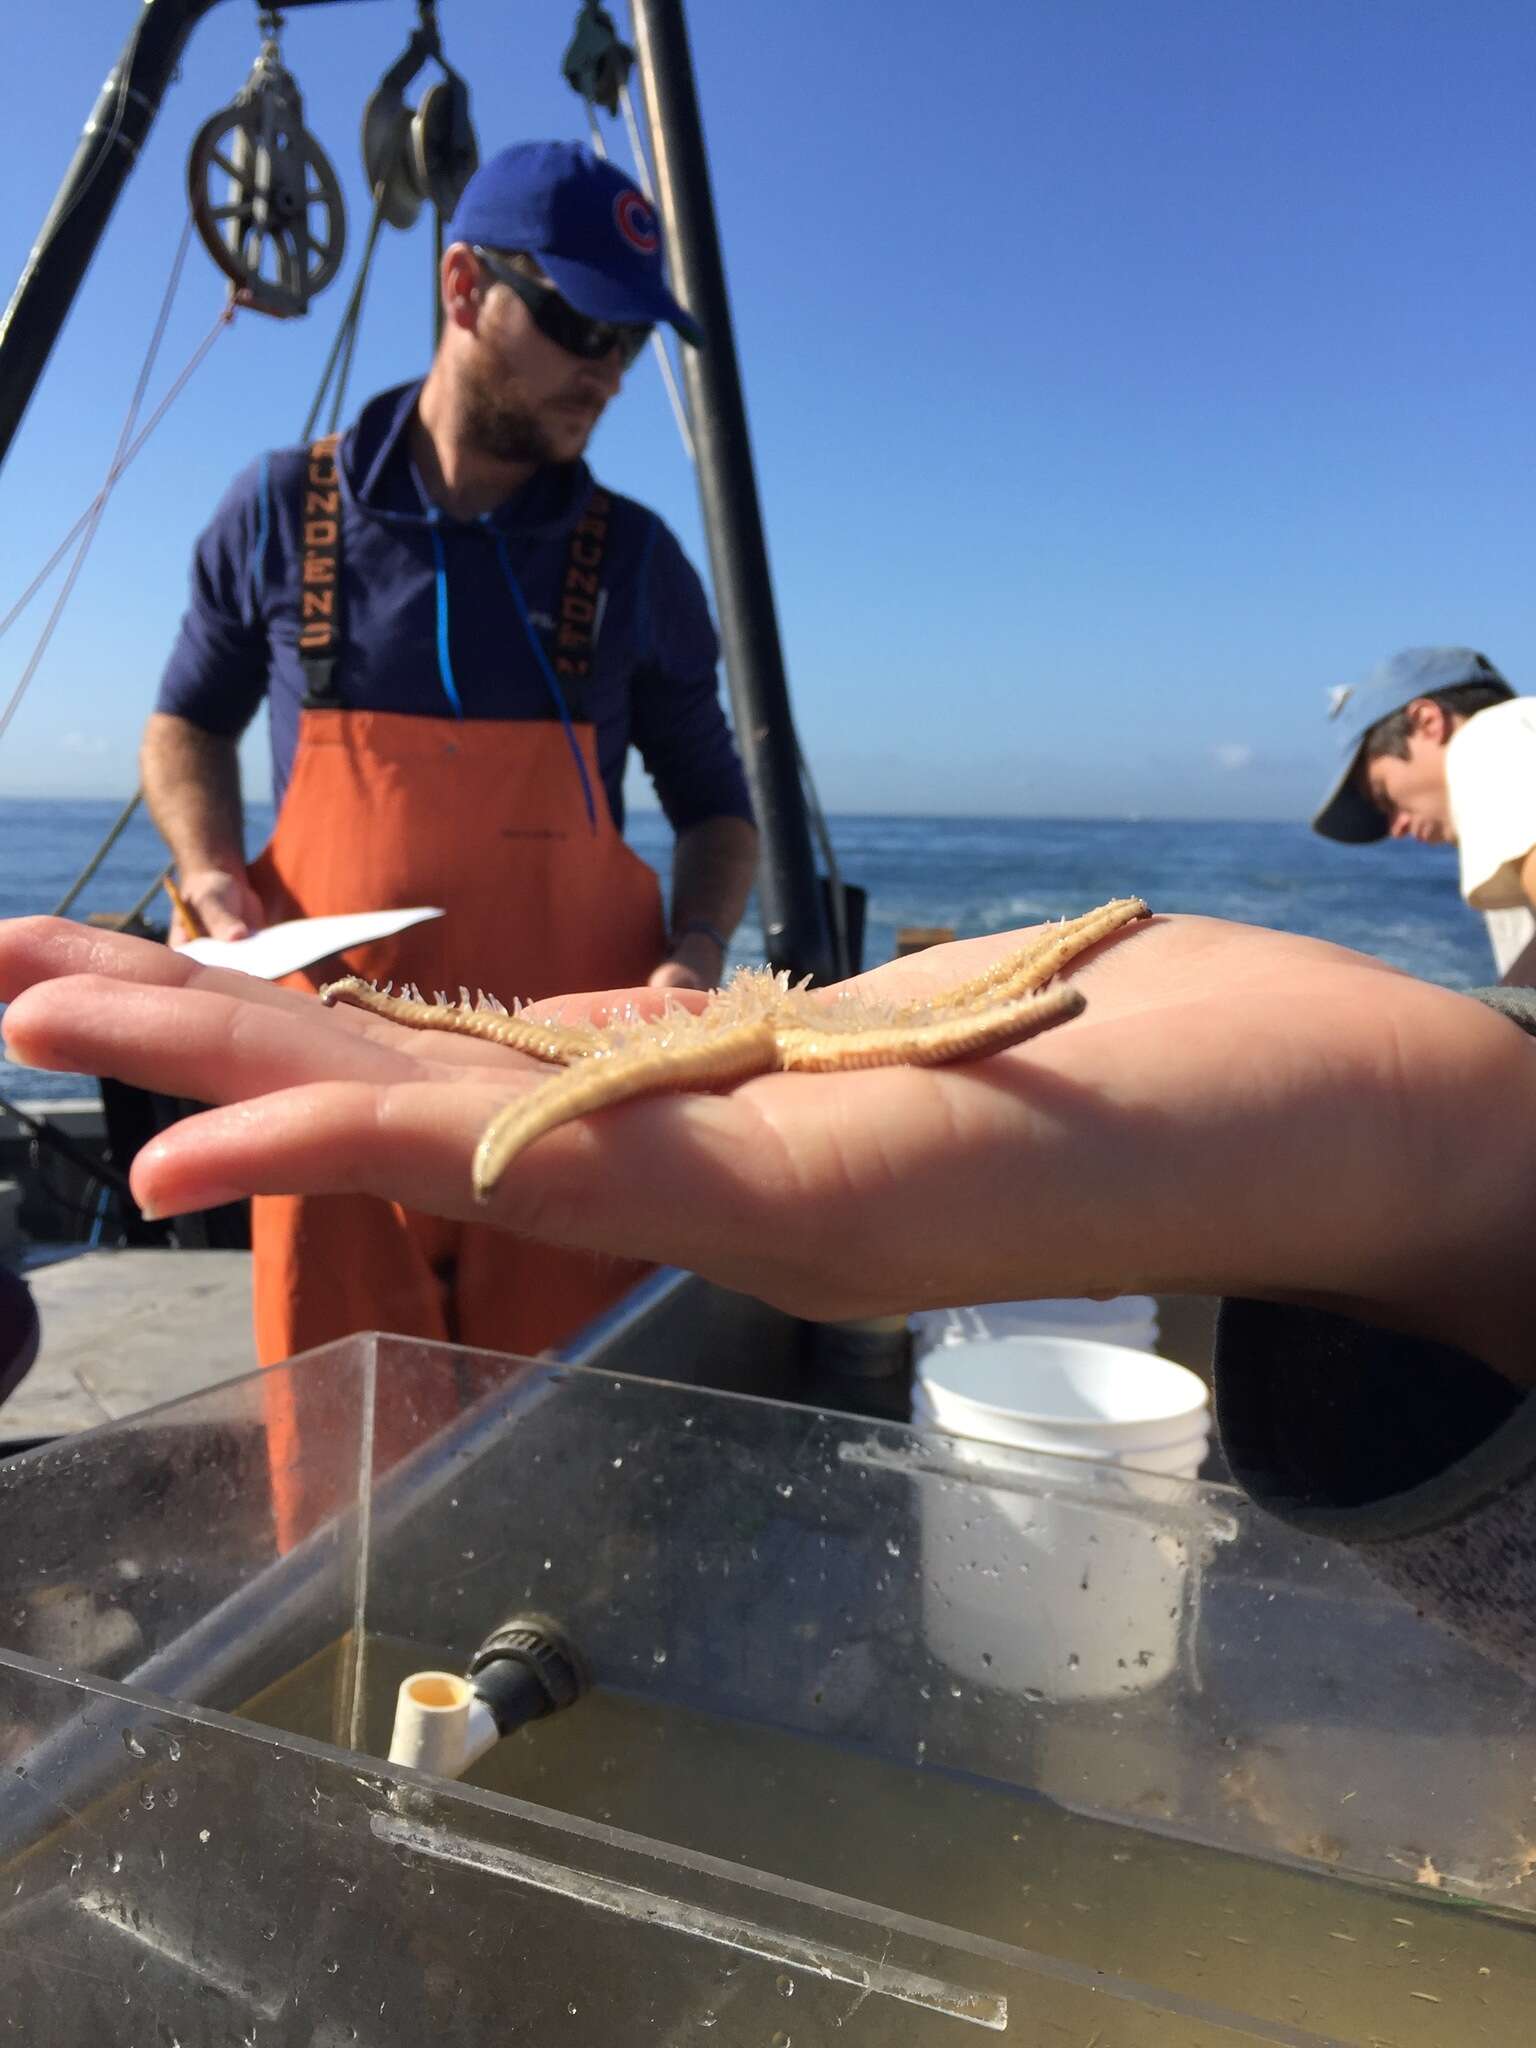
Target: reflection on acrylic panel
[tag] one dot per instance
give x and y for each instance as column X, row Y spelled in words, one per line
column 833, row 1780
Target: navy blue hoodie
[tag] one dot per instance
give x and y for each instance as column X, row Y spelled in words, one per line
column 449, row 618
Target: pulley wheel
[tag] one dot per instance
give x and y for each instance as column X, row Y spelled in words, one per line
column 444, row 154
column 387, row 158
column 278, row 228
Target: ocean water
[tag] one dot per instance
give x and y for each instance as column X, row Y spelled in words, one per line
column 974, row 874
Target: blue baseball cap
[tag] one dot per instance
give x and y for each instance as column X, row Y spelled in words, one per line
column 593, row 230
column 1346, row 814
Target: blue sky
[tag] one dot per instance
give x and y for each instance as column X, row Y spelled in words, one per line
column 1120, row 375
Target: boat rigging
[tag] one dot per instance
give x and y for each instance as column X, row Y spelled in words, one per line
column 277, row 230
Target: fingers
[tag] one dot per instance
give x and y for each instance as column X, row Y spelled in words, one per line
column 410, row 1141
column 40, row 949
column 659, row 1180
column 207, row 1043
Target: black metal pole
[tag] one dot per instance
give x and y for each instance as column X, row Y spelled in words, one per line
column 109, row 148
column 794, row 924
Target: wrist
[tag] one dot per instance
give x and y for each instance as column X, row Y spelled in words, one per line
column 211, row 868
column 696, row 928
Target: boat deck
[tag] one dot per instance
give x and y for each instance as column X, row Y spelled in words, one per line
column 125, row 1330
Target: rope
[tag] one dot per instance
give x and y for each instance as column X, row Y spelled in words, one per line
column 85, row 529
column 150, row 894
column 89, row 520
column 346, row 332
column 819, row 827
column 658, row 346
column 97, row 505
column 96, row 859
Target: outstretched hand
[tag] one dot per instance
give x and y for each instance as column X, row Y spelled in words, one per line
column 1237, row 1111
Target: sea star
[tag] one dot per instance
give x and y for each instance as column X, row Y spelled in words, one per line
column 756, row 1024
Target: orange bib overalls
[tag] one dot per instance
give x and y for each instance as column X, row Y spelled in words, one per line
column 485, row 818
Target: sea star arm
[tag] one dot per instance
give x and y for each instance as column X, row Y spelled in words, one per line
column 659, row 1063
column 1017, row 973
column 539, row 1036
column 912, row 1043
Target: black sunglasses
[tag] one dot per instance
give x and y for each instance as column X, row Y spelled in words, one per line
column 560, row 322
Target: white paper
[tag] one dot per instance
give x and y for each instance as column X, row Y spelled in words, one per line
column 284, row 948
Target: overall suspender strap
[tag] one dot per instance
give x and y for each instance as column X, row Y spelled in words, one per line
column 320, row 576
column 579, row 610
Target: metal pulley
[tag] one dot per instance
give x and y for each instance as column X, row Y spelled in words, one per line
column 598, row 61
column 426, row 152
column 277, row 228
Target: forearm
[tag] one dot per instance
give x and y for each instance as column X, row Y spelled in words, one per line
column 714, row 865
column 191, row 782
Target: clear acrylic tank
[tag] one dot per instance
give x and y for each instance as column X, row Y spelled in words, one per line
column 891, row 1739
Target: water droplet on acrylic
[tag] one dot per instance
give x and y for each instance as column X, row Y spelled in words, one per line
column 784, row 1489
column 331, row 1966
column 708, row 2019
column 147, row 1798
column 658, row 1656
column 169, row 1794
column 173, row 1750
column 784, row 1985
column 115, row 1861
column 1073, row 1660
column 132, row 1744
column 269, row 1932
column 780, row 2040
column 203, row 1835
column 892, row 1547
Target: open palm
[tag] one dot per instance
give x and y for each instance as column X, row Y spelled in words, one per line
column 1237, row 1110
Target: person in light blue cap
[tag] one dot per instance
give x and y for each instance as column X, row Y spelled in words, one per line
column 1437, row 747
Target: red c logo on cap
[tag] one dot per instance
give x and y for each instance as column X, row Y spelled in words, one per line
column 635, row 222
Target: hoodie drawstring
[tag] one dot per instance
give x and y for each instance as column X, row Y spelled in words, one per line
column 550, row 677
column 444, row 654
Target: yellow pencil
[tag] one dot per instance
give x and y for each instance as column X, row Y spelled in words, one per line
column 183, row 910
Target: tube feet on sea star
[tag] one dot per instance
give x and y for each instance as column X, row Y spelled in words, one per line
column 756, row 1024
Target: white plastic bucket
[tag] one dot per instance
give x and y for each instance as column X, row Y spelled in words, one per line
column 1073, row 1397
column 1129, row 1319
column 1179, row 1460
column 1044, row 1590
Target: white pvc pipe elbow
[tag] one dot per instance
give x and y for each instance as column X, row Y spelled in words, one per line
column 441, row 1724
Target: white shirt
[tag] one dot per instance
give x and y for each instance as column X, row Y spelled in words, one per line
column 1490, row 774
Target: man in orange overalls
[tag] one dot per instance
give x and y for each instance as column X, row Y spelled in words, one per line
column 460, row 635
